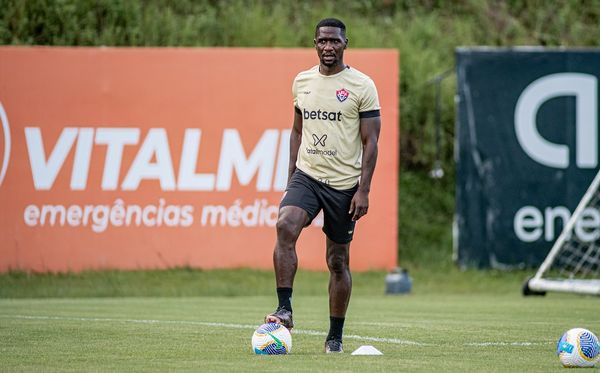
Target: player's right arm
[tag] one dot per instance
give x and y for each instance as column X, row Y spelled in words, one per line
column 295, row 140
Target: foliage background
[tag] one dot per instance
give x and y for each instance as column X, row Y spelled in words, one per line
column 426, row 32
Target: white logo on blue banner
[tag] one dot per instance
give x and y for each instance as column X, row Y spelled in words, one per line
column 584, row 88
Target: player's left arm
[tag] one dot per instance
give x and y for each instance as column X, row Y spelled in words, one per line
column 369, row 133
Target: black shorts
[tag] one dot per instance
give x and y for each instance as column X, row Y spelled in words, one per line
column 311, row 195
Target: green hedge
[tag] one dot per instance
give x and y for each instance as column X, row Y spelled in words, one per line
column 425, row 31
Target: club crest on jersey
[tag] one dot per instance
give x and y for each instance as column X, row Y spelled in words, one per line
column 342, row 95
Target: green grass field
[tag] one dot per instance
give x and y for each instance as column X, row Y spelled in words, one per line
column 416, row 332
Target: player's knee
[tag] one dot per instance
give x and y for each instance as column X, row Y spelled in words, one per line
column 287, row 229
column 337, row 263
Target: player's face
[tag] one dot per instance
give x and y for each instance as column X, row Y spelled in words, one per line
column 330, row 44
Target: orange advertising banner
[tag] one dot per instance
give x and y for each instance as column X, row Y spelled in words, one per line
column 139, row 158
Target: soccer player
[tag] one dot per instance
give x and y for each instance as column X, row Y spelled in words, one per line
column 333, row 151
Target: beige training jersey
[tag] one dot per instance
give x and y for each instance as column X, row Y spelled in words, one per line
column 331, row 108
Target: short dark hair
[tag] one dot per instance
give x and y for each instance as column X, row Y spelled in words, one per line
column 331, row 22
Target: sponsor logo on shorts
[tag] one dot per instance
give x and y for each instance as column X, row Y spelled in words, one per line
column 5, row 141
column 323, row 180
column 342, row 95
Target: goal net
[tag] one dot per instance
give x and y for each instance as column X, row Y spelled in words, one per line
column 573, row 263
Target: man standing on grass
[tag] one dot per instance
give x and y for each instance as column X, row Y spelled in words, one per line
column 333, row 151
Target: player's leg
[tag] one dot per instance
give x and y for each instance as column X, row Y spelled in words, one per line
column 340, row 278
column 297, row 209
column 291, row 221
column 340, row 288
column 339, row 229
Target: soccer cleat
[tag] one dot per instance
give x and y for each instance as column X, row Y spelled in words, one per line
column 333, row 346
column 281, row 316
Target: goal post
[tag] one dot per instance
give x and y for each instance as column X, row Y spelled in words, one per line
column 573, row 263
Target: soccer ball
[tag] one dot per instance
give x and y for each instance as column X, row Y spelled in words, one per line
column 578, row 347
column 271, row 339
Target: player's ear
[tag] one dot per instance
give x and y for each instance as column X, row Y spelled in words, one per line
column 315, row 42
column 346, row 45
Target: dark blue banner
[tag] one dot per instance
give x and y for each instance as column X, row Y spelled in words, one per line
column 527, row 149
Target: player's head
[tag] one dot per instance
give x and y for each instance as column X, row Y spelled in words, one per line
column 331, row 22
column 330, row 41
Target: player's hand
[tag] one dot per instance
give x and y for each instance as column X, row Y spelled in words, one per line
column 359, row 205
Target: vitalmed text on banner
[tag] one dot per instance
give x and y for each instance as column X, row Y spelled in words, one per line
column 138, row 158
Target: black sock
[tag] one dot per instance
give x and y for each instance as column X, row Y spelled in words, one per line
column 336, row 327
column 285, row 298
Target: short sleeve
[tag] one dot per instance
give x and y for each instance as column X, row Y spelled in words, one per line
column 295, row 92
column 369, row 103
